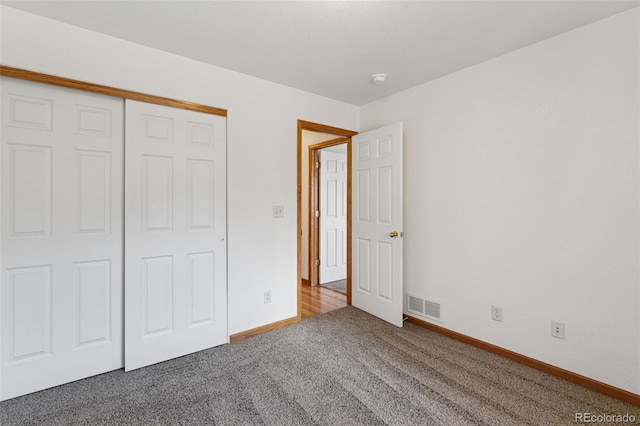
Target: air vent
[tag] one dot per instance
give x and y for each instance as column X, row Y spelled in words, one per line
column 416, row 305
column 432, row 309
column 423, row 307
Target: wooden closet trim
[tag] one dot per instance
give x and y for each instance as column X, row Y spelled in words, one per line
column 106, row 90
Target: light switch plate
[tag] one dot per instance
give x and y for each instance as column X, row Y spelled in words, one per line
column 278, row 211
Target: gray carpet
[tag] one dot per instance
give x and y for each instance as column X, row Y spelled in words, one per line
column 340, row 368
column 340, row 286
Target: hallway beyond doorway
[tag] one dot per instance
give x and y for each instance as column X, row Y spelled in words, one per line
column 318, row 300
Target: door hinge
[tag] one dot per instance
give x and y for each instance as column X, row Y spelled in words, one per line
column 317, row 262
column 317, row 213
column 317, row 164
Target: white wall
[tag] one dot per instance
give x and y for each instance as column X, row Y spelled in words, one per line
column 522, row 190
column 262, row 142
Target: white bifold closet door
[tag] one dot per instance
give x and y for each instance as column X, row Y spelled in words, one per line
column 65, row 311
column 175, row 233
column 61, row 245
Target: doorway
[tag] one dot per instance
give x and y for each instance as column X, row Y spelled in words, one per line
column 328, row 207
column 321, row 136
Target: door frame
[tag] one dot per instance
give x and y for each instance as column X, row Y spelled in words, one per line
column 314, row 205
column 341, row 134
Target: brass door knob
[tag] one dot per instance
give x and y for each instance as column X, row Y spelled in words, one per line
column 393, row 234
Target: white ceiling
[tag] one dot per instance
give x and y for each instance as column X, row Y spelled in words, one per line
column 332, row 48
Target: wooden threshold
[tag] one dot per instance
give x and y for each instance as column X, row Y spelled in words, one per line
column 106, row 90
column 567, row 375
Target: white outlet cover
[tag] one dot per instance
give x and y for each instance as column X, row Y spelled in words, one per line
column 557, row 329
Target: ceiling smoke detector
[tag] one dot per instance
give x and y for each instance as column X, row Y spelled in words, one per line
column 378, row 78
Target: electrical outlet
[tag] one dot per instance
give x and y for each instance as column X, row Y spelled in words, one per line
column 496, row 313
column 557, row 329
column 278, row 211
column 267, row 297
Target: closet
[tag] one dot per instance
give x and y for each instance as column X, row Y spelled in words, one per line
column 113, row 238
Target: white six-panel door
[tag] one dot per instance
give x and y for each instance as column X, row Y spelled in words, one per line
column 61, row 245
column 175, row 233
column 333, row 216
column 377, row 223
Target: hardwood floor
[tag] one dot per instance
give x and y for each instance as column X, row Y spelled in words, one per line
column 318, row 300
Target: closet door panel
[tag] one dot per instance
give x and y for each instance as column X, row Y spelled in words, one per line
column 175, row 233
column 61, row 246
